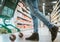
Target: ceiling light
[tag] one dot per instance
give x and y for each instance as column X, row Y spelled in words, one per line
column 54, row 2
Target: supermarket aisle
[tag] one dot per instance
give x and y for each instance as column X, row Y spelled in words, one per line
column 44, row 36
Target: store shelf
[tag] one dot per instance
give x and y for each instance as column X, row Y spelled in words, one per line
column 25, row 10
column 57, row 13
column 55, row 18
column 54, row 22
column 57, row 4
column 23, row 19
column 23, row 14
column 24, row 5
column 55, row 10
column 23, row 24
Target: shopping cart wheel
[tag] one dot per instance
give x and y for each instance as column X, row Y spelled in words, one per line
column 12, row 37
column 20, row 35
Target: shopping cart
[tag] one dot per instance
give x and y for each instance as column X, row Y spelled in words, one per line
column 7, row 9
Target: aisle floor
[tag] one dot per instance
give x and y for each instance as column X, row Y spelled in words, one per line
column 44, row 36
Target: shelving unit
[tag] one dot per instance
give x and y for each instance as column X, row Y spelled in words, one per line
column 55, row 15
column 23, row 17
column 56, row 12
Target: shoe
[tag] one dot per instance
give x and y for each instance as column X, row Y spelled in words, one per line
column 34, row 37
column 53, row 31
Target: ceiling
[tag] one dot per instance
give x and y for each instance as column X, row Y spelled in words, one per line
column 48, row 5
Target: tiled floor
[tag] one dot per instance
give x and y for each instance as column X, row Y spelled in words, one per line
column 44, row 36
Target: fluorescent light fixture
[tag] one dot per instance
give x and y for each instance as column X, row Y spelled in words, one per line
column 54, row 2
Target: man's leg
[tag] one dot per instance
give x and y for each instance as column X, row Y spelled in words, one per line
column 33, row 5
column 34, row 35
column 35, row 23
